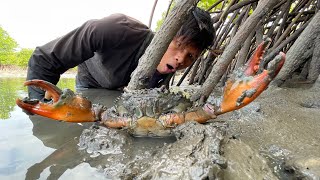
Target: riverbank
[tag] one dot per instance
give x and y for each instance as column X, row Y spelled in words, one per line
column 18, row 72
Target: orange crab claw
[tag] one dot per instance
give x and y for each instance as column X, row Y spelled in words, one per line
column 64, row 105
column 244, row 86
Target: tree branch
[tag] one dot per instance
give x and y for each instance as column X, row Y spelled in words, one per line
column 225, row 59
column 150, row 59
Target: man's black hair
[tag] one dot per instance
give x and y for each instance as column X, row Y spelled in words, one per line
column 197, row 29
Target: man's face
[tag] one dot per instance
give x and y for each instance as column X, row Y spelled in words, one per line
column 178, row 56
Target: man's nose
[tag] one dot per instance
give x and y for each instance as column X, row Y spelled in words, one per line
column 180, row 57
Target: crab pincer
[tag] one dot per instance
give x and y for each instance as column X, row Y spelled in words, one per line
column 246, row 84
column 64, row 105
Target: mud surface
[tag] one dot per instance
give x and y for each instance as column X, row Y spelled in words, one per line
column 282, row 126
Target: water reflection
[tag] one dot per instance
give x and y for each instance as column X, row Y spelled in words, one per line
column 34, row 147
column 19, row 148
column 12, row 88
column 27, row 141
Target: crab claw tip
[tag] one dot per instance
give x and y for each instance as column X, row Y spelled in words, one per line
column 254, row 62
column 48, row 87
column 275, row 65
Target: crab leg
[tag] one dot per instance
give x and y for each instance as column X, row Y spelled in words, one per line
column 200, row 115
column 65, row 105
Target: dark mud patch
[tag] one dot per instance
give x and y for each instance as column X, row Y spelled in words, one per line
column 311, row 104
column 276, row 159
column 194, row 153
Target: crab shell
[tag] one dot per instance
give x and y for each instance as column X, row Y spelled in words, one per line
column 149, row 112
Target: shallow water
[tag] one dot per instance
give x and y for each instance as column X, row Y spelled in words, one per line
column 33, row 147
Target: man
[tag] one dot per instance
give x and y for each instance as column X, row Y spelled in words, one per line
column 107, row 51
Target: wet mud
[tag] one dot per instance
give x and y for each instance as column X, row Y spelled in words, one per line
column 194, row 153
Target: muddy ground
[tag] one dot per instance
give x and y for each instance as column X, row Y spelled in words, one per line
column 275, row 137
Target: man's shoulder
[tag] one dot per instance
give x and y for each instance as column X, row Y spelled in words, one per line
column 116, row 24
column 122, row 19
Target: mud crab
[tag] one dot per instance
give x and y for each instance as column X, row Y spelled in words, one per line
column 152, row 112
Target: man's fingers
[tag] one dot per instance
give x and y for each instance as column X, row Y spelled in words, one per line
column 47, row 95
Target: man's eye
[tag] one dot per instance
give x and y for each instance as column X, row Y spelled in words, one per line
column 190, row 56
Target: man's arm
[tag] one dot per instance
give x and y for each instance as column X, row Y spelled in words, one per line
column 49, row 61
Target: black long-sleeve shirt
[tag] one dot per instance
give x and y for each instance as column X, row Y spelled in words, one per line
column 106, row 52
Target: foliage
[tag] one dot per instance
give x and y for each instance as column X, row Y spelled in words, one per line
column 203, row 4
column 22, row 57
column 9, row 55
column 7, row 44
column 206, row 4
column 160, row 22
column 6, row 58
column 7, row 47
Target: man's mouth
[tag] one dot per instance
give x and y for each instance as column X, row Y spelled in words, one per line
column 170, row 67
